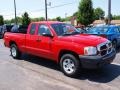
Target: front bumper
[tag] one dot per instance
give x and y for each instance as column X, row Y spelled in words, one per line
column 94, row 62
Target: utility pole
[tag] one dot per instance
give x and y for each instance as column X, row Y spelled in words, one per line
column 46, row 17
column 15, row 12
column 65, row 15
column 109, row 11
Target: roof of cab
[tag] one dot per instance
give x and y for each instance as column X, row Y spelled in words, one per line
column 49, row 22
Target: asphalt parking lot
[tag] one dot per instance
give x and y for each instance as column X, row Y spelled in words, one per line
column 33, row 73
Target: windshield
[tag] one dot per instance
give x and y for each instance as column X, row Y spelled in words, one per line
column 62, row 29
column 97, row 30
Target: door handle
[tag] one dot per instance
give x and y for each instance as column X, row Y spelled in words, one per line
column 38, row 40
column 6, row 37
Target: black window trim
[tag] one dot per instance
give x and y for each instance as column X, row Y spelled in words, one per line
column 31, row 27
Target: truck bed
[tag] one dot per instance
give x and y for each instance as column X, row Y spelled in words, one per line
column 18, row 38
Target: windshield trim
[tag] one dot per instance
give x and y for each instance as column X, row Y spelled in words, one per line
column 75, row 31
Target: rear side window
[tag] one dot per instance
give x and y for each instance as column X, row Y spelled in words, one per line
column 32, row 29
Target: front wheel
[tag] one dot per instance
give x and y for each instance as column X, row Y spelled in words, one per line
column 70, row 65
column 15, row 53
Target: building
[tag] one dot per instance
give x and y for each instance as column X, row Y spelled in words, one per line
column 99, row 22
column 75, row 22
column 116, row 22
column 102, row 22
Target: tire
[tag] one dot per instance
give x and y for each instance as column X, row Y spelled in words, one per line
column 70, row 65
column 15, row 53
column 114, row 43
column 2, row 36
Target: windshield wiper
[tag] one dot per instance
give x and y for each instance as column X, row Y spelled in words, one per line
column 66, row 34
column 73, row 33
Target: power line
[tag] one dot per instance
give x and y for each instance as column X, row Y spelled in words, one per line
column 61, row 5
column 57, row 6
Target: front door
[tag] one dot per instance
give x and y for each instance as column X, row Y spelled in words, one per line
column 45, row 42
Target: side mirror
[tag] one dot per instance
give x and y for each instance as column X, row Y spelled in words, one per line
column 47, row 35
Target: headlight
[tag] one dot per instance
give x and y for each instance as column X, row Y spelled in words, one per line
column 90, row 50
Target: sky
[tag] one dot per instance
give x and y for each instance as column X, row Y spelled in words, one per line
column 62, row 8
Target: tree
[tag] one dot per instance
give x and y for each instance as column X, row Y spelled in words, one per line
column 98, row 13
column 116, row 17
column 42, row 19
column 68, row 18
column 75, row 14
column 25, row 19
column 85, row 12
column 1, row 20
column 7, row 21
column 38, row 19
column 59, row 18
column 19, row 20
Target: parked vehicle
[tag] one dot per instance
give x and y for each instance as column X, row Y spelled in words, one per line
column 111, row 32
column 1, row 32
column 3, row 29
column 8, row 28
column 63, row 44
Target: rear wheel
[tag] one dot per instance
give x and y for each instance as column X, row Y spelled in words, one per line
column 70, row 65
column 15, row 53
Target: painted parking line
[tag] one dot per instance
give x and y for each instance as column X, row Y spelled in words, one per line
column 116, row 64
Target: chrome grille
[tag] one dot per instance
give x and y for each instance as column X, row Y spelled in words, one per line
column 105, row 48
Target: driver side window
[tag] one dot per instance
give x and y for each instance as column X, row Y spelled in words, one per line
column 43, row 29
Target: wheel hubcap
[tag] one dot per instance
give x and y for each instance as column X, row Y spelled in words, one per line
column 68, row 66
column 13, row 50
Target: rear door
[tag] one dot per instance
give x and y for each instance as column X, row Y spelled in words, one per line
column 31, row 40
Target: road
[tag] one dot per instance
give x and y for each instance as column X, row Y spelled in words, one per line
column 33, row 73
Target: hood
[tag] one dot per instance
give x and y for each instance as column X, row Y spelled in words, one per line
column 88, row 40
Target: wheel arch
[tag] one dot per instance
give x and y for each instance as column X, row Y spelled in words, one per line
column 62, row 52
column 12, row 42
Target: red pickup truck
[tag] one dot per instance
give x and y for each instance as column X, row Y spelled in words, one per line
column 63, row 44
